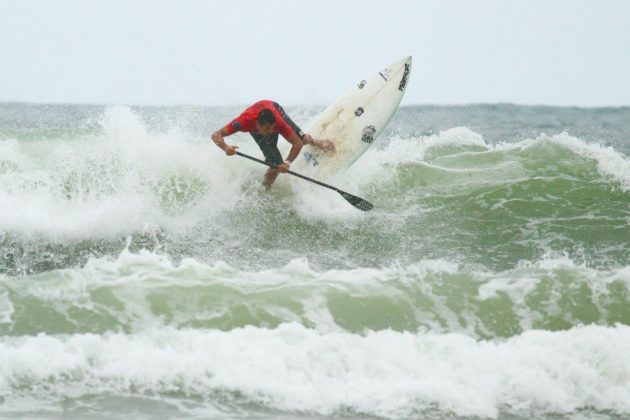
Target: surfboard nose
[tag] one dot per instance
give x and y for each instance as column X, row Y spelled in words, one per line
column 400, row 63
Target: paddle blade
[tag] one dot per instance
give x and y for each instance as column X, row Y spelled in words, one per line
column 357, row 202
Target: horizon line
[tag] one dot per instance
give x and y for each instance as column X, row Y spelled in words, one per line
column 230, row 105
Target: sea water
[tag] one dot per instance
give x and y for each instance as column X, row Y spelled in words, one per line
column 145, row 274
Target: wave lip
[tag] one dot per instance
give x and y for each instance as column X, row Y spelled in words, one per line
column 462, row 151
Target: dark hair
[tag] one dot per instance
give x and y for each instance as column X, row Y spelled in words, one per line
column 266, row 117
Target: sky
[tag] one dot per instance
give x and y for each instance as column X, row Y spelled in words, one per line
column 308, row 52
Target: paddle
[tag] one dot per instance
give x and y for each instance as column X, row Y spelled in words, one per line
column 357, row 202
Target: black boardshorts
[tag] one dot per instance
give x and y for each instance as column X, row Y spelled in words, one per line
column 269, row 144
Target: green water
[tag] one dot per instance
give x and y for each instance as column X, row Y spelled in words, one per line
column 142, row 271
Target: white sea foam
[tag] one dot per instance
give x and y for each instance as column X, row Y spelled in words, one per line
column 293, row 368
column 116, row 183
column 6, row 308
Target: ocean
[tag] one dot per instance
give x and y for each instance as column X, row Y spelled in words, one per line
column 144, row 274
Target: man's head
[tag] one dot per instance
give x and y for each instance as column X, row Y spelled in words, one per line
column 265, row 122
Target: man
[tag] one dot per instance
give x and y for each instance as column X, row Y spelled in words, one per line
column 264, row 121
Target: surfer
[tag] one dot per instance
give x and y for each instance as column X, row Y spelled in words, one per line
column 264, row 120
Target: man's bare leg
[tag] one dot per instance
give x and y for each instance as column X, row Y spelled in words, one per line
column 270, row 177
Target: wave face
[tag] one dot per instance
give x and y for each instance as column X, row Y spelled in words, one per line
column 136, row 291
column 142, row 269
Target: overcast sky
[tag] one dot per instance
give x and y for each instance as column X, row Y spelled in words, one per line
column 309, row 52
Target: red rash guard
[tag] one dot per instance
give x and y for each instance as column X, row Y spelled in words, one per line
column 246, row 122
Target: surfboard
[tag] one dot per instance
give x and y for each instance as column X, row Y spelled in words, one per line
column 354, row 121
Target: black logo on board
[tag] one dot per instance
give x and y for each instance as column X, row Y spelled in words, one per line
column 403, row 81
column 368, row 134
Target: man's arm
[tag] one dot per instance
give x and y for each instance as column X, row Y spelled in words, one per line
column 217, row 138
column 296, row 146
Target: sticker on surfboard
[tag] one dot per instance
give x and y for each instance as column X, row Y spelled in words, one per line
column 311, row 159
column 385, row 74
column 368, row 134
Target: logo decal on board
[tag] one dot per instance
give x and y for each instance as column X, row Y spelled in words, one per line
column 385, row 73
column 359, row 112
column 403, row 81
column 368, row 134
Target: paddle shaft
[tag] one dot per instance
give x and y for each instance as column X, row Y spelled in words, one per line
column 354, row 200
column 290, row 172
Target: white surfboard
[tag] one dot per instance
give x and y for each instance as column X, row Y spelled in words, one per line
column 354, row 121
